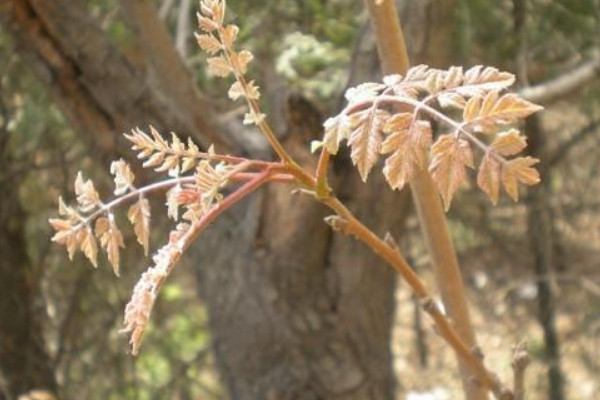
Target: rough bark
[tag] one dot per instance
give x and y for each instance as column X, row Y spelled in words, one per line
column 99, row 90
column 24, row 363
column 296, row 312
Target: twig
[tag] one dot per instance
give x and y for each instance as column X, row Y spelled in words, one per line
column 564, row 148
column 564, row 84
column 183, row 28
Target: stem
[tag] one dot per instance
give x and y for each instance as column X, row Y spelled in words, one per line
column 199, row 226
column 135, row 193
column 236, row 175
column 394, row 59
column 350, row 225
column 323, row 190
column 255, row 108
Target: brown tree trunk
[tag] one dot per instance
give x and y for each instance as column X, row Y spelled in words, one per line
column 542, row 242
column 296, row 311
column 24, row 363
column 101, row 91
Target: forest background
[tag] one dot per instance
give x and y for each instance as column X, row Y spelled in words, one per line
column 269, row 304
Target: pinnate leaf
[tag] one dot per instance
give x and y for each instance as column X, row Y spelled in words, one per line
column 111, row 239
column 208, row 43
column 89, row 246
column 139, row 216
column 206, row 24
column 519, row 170
column 241, row 60
column 479, row 80
column 450, row 156
column 123, row 176
column 493, row 109
column 410, row 145
column 218, row 66
column 336, row 130
column 229, row 35
column 488, row 177
column 365, row 140
column 236, row 91
column 509, row 143
column 87, row 196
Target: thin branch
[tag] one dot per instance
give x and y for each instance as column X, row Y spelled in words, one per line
column 254, row 106
column 323, row 190
column 165, row 9
column 236, row 175
column 568, row 82
column 183, row 28
column 563, row 149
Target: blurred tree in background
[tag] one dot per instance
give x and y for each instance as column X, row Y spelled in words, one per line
column 251, row 314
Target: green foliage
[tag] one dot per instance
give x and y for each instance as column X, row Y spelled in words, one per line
column 315, row 67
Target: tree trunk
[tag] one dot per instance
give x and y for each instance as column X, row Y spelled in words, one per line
column 296, row 311
column 100, row 91
column 540, row 227
column 24, row 363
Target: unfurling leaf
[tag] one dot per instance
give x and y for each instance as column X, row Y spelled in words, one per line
column 229, row 35
column 65, row 233
column 89, row 246
column 173, row 203
column 336, row 130
column 218, row 66
column 111, row 239
column 509, row 143
column 315, row 145
column 519, row 170
column 154, row 160
column 139, row 308
column 87, row 196
column 209, row 181
column 241, row 60
column 365, row 139
column 236, row 91
column 252, row 91
column 208, row 43
column 251, row 118
column 123, row 176
column 450, row 156
column 206, row 24
column 488, row 177
column 139, row 216
column 159, row 141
